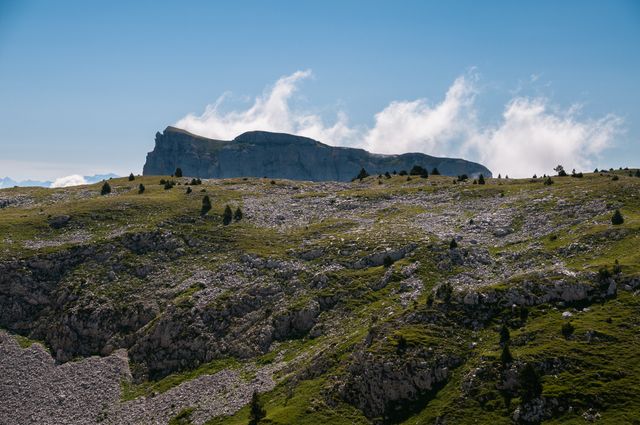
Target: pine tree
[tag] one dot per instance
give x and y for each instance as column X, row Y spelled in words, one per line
column 481, row 179
column 435, row 172
column 189, row 190
column 560, row 170
column 387, row 175
column 506, row 357
column 237, row 215
column 530, row 386
column 106, row 188
column 227, row 216
column 401, row 348
column 567, row 329
column 637, row 173
column 617, row 219
column 141, row 188
column 505, row 336
column 206, row 205
column 257, row 412
column 453, row 244
column 178, row 172
column 131, row 177
column 362, row 174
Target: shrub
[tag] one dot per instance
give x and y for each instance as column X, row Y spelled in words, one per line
column 548, row 181
column 169, row 184
column 637, row 173
column 403, row 173
column 206, row 205
column 237, row 215
column 567, row 329
column 106, row 189
column 530, row 385
column 256, row 412
column 387, row 175
column 178, row 172
column 273, row 182
column 387, row 261
column 435, row 172
column 141, row 188
column 617, row 218
column 131, row 177
column 189, row 190
column 463, row 177
column 481, row 179
column 227, row 216
column 453, row 244
column 615, row 178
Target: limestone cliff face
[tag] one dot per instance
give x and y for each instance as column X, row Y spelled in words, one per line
column 279, row 155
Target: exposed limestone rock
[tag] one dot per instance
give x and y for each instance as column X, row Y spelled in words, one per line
column 279, row 155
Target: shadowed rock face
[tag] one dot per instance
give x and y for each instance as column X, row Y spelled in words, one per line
column 280, row 155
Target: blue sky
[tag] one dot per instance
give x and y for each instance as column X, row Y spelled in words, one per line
column 84, row 86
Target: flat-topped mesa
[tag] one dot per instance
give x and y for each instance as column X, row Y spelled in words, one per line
column 281, row 155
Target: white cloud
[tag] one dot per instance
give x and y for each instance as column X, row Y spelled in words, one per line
column 269, row 112
column 531, row 137
column 415, row 126
column 72, row 180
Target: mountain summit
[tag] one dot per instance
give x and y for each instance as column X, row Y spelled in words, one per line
column 281, row 155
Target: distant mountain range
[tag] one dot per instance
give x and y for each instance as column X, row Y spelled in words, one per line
column 6, row 182
column 280, row 155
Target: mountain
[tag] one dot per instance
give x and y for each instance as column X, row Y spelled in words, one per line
column 280, row 155
column 9, row 182
column 338, row 302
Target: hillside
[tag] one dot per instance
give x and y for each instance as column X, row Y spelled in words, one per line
column 339, row 303
column 280, row 155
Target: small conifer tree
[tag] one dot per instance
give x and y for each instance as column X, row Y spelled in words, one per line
column 189, row 190
column 227, row 216
column 530, row 385
column 401, row 348
column 178, row 172
column 506, row 357
column 362, row 174
column 257, row 411
column 435, row 172
column 387, row 261
column 131, row 177
column 505, row 336
column 617, row 218
column 481, row 179
column 387, row 175
column 141, row 188
column 453, row 244
column 237, row 215
column 567, row 329
column 106, row 189
column 206, row 205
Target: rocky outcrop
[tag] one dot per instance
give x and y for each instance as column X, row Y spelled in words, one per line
column 381, row 386
column 279, row 155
